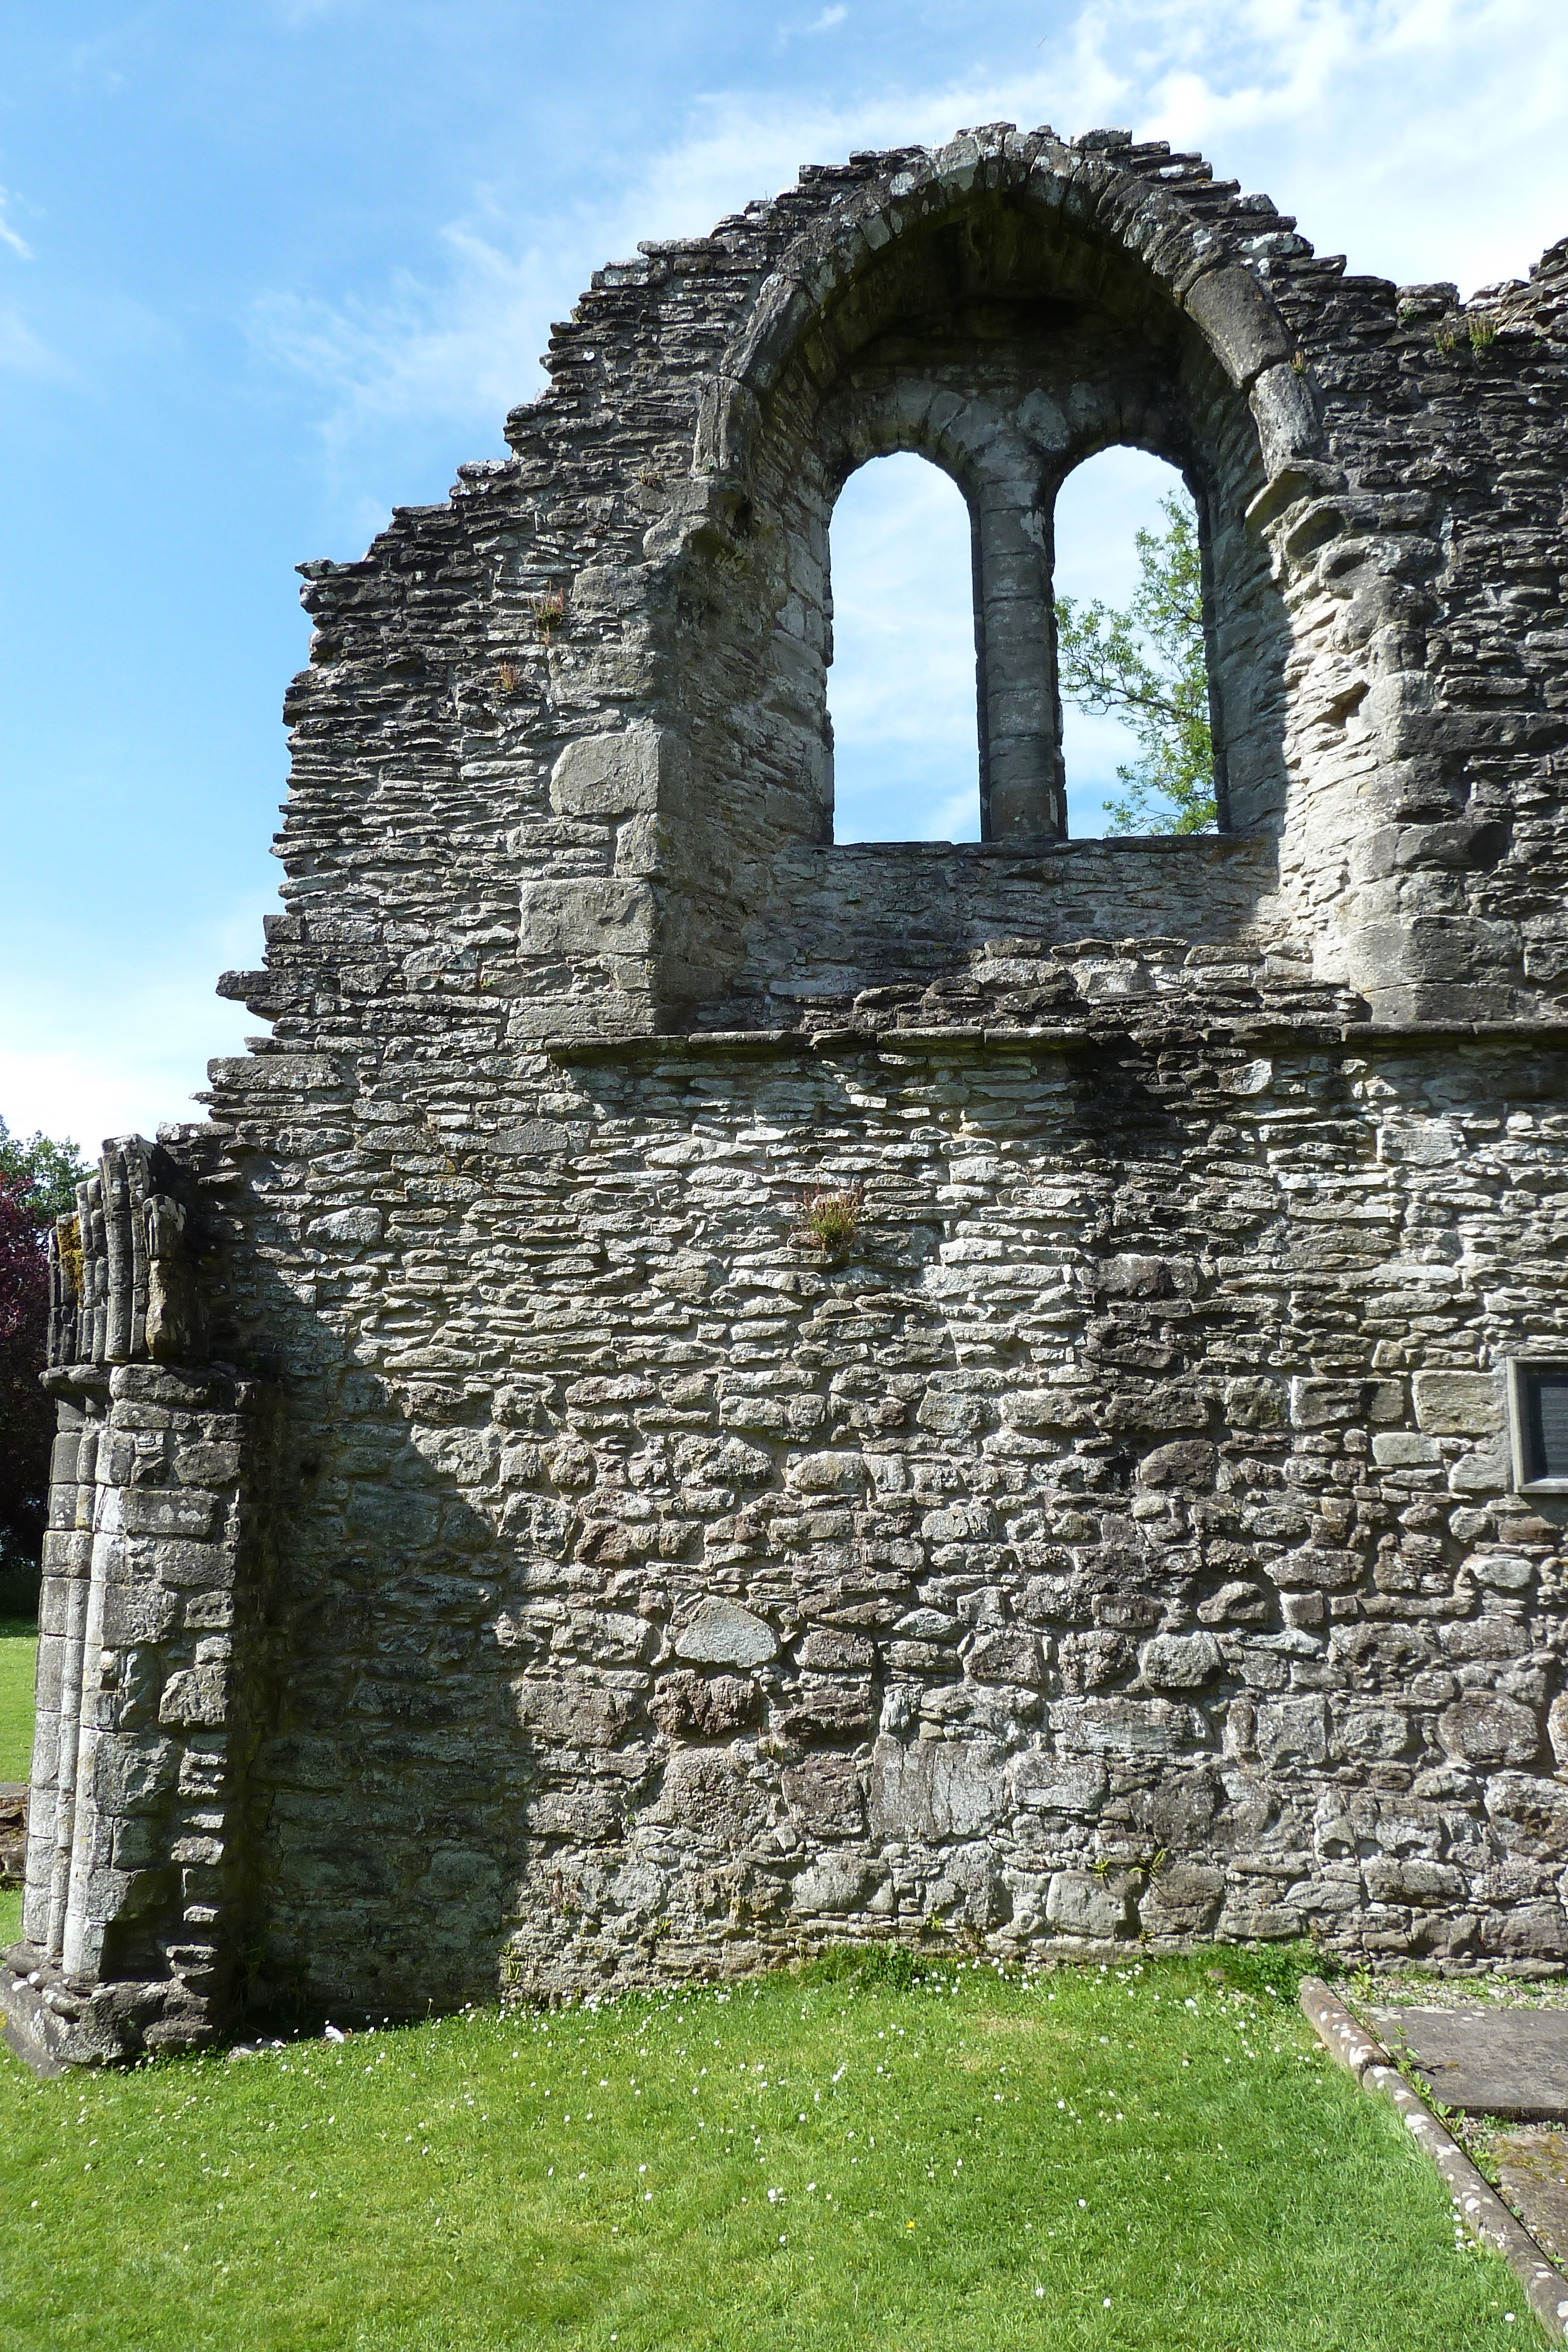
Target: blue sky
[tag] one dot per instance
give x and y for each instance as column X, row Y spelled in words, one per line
column 266, row 266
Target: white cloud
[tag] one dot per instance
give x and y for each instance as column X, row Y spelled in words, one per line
column 1428, row 138
column 139, row 1050
column 468, row 347
column 23, row 352
column 1425, row 138
column 8, row 236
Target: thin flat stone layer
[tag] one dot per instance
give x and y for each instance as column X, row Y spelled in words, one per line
column 1479, row 2206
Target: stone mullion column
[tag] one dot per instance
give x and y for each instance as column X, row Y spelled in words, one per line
column 133, row 1875
column 77, row 1585
column 53, row 1614
column 1024, row 794
column 92, row 1315
column 198, row 1710
column 91, row 1844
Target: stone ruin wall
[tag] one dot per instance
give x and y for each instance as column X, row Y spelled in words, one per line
column 500, row 1549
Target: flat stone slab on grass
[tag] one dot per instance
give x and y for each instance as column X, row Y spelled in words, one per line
column 1505, row 2062
column 1532, row 2167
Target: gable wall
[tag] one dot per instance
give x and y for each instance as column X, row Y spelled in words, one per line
column 1121, row 1531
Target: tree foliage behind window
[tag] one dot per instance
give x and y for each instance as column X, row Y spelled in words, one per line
column 1148, row 666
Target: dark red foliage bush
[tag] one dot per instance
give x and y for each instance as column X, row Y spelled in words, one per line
column 26, row 1415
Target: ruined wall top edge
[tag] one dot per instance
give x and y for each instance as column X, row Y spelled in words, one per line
column 541, row 671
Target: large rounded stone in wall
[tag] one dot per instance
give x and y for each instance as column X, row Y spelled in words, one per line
column 723, row 1634
column 1488, row 1730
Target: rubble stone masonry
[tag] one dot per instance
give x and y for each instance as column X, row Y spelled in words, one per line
column 496, row 1545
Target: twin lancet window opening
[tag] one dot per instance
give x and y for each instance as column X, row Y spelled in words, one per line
column 918, row 573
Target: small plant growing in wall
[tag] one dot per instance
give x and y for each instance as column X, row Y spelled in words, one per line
column 1484, row 333
column 508, row 678
column 1445, row 335
column 1299, row 363
column 830, row 1220
column 549, row 613
column 1147, row 1865
column 68, row 1239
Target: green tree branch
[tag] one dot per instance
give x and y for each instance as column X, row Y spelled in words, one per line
column 1148, row 665
column 46, row 1173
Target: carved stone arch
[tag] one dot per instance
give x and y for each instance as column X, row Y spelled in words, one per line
column 1324, row 716
column 1016, row 308
column 1184, row 256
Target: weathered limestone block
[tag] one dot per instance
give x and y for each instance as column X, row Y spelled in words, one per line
column 723, row 1634
column 1240, row 322
column 194, row 1695
column 1081, row 1904
column 349, row 1225
column 1530, row 1816
column 588, row 919
column 708, row 1705
column 1488, row 1730
column 1007, row 1654
column 710, row 1793
column 1557, row 1728
column 825, row 1793
column 1458, row 1404
column 575, row 1713
column 1059, row 1784
column 614, row 775
column 936, row 1788
column 1181, row 1899
column 1288, row 428
column 832, row 1885
column 1180, row 1661
column 1125, row 1725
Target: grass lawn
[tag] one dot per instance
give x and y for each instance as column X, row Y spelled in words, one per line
column 1131, row 2158
column 18, row 1655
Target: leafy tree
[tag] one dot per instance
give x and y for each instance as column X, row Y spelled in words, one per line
column 1148, row 666
column 38, row 1178
column 48, row 1173
column 26, row 1415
